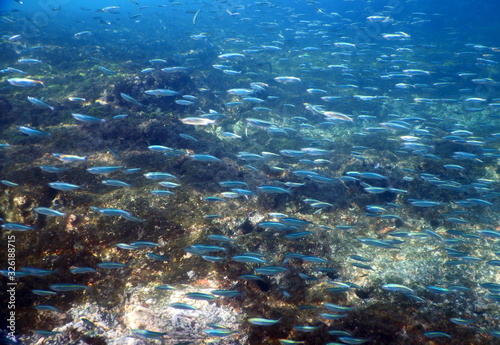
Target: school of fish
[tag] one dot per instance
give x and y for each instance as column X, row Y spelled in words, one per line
column 331, row 177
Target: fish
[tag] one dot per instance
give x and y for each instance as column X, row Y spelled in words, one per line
column 262, row 322
column 148, row 334
column 462, row 322
column 104, row 169
column 161, row 92
column 241, row 92
column 108, row 265
column 377, row 243
column 33, row 131
column 166, row 150
column 203, row 158
column 38, row 272
column 63, row 186
column 353, row 340
column 306, row 328
column 276, row 225
column 298, row 235
column 287, row 80
column 330, row 316
column 16, row 227
column 212, row 258
column 130, row 99
column 66, row 287
column 218, row 333
column 106, row 71
column 183, row 102
column 251, row 277
column 399, row 288
column 9, row 183
column 114, row 212
column 197, row 121
column 82, row 34
column 13, row 70
column 436, row 334
column 249, row 259
column 160, row 192
column 81, row 270
column 29, row 61
column 182, row 306
column 126, row 246
column 175, row 69
column 144, row 244
column 231, row 72
column 336, row 116
column 425, row 203
column 231, row 56
column 231, row 135
column 375, row 190
column 45, row 307
column 49, row 212
column 220, row 238
column 273, row 190
column 110, row 9
column 46, row 333
column 157, row 61
column 314, row 259
column 69, row 158
column 40, row 103
column 167, row 184
column 116, row 183
column 270, row 270
column 24, row 82
column 200, row 296
column 290, row 341
column 159, row 176
column 76, row 99
column 226, row 293
column 43, row 292
column 252, row 100
column 87, row 118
